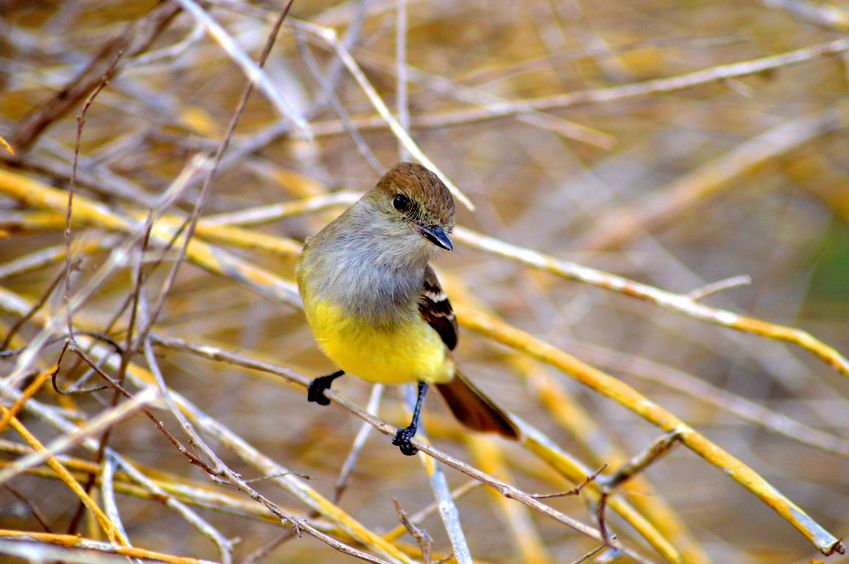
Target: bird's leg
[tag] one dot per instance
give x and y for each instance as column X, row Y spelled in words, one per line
column 316, row 389
column 403, row 436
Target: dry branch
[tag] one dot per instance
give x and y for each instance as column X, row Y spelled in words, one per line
column 696, row 188
column 23, row 538
column 605, row 95
column 136, row 38
column 642, row 406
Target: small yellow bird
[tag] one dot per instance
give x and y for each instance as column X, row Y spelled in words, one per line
column 376, row 307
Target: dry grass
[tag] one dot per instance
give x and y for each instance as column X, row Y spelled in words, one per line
column 621, row 165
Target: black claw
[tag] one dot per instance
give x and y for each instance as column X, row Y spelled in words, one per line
column 402, row 441
column 315, row 393
column 316, row 389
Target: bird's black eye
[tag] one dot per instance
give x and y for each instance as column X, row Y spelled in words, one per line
column 401, row 202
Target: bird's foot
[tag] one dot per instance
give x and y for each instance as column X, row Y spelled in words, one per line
column 316, row 389
column 402, row 440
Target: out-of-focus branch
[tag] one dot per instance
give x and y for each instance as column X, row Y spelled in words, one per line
column 715, row 396
column 113, row 533
column 828, row 15
column 619, row 227
column 253, row 71
column 668, row 300
column 603, row 95
column 95, row 425
column 631, row 399
column 80, row 546
column 480, row 97
column 329, row 36
column 137, row 37
column 489, row 457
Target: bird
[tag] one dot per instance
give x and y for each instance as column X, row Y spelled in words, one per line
column 375, row 305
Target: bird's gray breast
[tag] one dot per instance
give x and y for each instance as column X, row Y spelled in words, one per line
column 373, row 282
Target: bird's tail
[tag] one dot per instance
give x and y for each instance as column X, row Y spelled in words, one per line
column 474, row 409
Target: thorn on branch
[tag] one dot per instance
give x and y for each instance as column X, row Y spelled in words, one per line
column 641, row 461
column 719, row 286
column 574, row 491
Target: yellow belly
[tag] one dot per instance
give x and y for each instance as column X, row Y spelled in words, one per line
column 406, row 353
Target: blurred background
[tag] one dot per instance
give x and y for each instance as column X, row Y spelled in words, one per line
column 554, row 118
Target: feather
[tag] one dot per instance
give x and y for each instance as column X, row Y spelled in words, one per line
column 468, row 404
column 435, row 308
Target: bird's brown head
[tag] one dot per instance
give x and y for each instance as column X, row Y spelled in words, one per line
column 411, row 195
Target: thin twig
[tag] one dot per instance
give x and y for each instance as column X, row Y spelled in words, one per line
column 119, row 389
column 33, row 509
column 93, row 426
column 577, row 489
column 359, row 442
column 418, row 517
column 110, row 506
column 28, row 392
column 52, row 417
column 638, row 463
column 338, row 106
column 117, row 258
column 39, row 450
column 254, row 72
column 329, row 35
column 47, row 547
column 422, row 537
column 63, row 275
column 68, row 235
column 126, row 354
column 222, row 147
column 719, row 286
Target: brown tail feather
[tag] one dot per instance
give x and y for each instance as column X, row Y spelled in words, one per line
column 474, row 409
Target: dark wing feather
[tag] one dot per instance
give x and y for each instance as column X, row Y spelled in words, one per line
column 468, row 404
column 435, row 308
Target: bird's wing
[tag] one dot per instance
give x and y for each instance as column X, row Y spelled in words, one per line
column 468, row 404
column 435, row 308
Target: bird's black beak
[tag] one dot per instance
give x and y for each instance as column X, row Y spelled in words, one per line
column 437, row 236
